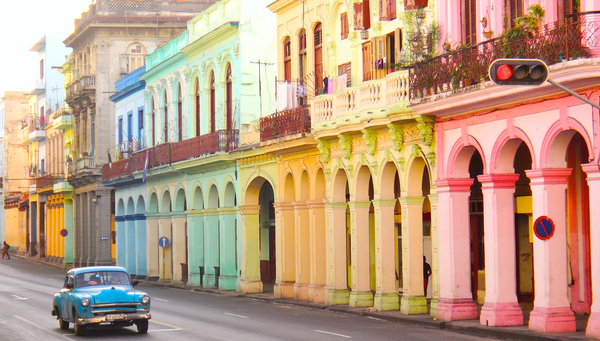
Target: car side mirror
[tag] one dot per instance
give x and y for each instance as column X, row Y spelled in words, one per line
column 70, row 286
column 135, row 282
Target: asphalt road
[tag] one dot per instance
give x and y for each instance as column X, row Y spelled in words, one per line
column 26, row 290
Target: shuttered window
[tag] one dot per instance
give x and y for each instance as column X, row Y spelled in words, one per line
column 387, row 10
column 567, row 7
column 367, row 61
column 287, row 60
column 318, row 39
column 469, row 19
column 346, row 69
column 362, row 15
column 514, row 10
column 344, row 25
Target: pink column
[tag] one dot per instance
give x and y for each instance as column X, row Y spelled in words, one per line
column 593, row 179
column 456, row 299
column 501, row 307
column 551, row 312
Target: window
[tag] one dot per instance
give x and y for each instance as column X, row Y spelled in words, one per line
column 213, row 104
column 387, row 9
column 346, row 69
column 179, row 114
column 344, row 25
column 514, row 10
column 567, row 7
column 362, row 15
column 302, row 63
column 133, row 58
column 120, row 131
column 386, row 52
column 140, row 126
column 166, row 119
column 469, row 20
column 229, row 99
column 41, row 69
column 153, row 127
column 129, row 126
column 287, row 60
column 318, row 40
column 197, row 107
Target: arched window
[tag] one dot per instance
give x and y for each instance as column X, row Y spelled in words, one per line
column 318, row 37
column 133, row 58
column 229, row 99
column 179, row 114
column 153, row 127
column 287, row 60
column 166, row 119
column 213, row 104
column 197, row 113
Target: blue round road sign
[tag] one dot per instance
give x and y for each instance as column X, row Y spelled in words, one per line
column 543, row 228
column 163, row 242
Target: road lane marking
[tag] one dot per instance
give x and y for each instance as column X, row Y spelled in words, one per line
column 21, row 288
column 20, row 298
column 40, row 327
column 160, row 299
column 163, row 330
column 240, row 316
column 335, row 334
column 166, row 324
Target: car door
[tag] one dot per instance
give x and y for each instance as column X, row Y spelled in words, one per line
column 65, row 298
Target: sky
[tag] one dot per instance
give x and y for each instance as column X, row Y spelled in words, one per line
column 22, row 24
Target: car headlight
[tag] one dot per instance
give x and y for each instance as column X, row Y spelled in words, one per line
column 85, row 302
column 145, row 299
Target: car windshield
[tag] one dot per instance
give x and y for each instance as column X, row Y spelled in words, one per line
column 87, row 279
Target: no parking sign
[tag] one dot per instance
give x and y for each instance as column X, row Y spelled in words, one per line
column 543, row 228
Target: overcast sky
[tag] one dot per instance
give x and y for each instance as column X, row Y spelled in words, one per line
column 22, row 24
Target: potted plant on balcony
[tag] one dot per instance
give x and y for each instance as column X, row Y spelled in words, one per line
column 514, row 45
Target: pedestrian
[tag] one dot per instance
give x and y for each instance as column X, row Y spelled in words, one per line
column 426, row 274
column 5, row 248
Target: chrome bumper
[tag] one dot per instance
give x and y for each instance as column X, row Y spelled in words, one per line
column 104, row 319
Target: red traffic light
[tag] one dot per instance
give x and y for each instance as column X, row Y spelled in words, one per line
column 518, row 72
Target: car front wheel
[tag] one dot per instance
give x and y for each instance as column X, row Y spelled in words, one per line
column 142, row 326
column 79, row 328
column 63, row 324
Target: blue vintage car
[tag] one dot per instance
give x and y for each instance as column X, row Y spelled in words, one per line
column 101, row 295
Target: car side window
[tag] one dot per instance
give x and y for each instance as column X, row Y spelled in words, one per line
column 66, row 281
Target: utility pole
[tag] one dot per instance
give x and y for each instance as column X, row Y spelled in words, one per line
column 259, row 81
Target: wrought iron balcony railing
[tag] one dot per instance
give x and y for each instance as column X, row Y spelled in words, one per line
column 285, row 123
column 577, row 36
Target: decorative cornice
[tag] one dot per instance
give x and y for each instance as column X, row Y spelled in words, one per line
column 325, row 150
column 370, row 137
column 236, row 51
column 257, row 158
column 346, row 144
column 397, row 135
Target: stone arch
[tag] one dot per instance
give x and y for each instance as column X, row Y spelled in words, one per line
column 304, row 188
column 320, row 191
column 289, row 194
column 130, row 206
column 505, row 148
column 339, row 188
column 460, row 158
column 165, row 201
column 180, row 200
column 153, row 202
column 121, row 207
column 388, row 170
column 335, row 9
column 556, row 141
column 198, row 198
column 213, row 197
column 363, row 182
column 229, row 197
column 141, row 205
column 254, row 185
column 416, row 167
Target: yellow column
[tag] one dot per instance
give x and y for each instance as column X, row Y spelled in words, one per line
column 386, row 297
column 361, row 295
column 61, row 225
column 250, row 268
column 285, row 250
column 318, row 251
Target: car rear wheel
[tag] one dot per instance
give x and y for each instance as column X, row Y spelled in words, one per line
column 142, row 326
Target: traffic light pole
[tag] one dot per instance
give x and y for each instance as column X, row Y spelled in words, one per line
column 565, row 89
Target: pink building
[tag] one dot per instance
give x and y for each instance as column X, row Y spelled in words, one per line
column 510, row 155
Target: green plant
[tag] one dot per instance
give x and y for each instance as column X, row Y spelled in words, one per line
column 422, row 37
column 522, row 29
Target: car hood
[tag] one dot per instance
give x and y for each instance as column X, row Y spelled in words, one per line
column 112, row 294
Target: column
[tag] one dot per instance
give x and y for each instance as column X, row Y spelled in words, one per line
column 318, row 251
column 413, row 300
column 361, row 295
column 337, row 266
column 152, row 251
column 435, row 276
column 196, row 246
column 593, row 178
column 130, row 240
column 101, row 211
column 285, row 235
column 250, row 268
column 121, row 241
column 140, row 246
column 456, row 300
column 501, row 307
column 551, row 312
column 211, row 246
column 386, row 296
column 179, row 245
column 68, row 223
column 165, row 255
column 228, row 255
column 302, row 250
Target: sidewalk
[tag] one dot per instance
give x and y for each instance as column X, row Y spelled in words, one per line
column 471, row 327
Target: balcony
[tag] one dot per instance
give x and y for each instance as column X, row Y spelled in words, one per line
column 44, row 182
column 285, row 123
column 218, row 141
column 37, row 88
column 116, row 169
column 575, row 37
column 371, row 99
column 83, row 88
column 63, row 119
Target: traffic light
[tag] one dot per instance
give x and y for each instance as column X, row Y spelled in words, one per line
column 518, row 72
